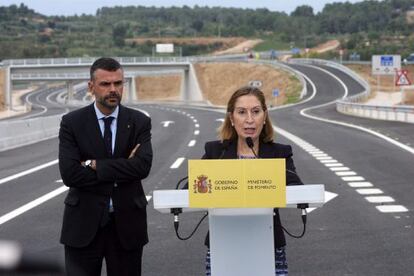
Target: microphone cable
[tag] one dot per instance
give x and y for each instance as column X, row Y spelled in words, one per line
column 177, row 211
column 303, row 207
column 176, row 225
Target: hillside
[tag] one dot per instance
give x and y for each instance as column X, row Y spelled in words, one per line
column 365, row 28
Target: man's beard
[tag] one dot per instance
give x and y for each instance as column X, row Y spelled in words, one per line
column 106, row 103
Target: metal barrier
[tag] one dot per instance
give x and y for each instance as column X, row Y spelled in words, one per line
column 25, row 132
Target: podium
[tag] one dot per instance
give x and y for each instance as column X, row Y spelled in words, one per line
column 241, row 239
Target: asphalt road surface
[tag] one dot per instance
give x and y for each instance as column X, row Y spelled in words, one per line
column 366, row 227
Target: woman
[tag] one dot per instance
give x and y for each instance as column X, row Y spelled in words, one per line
column 247, row 116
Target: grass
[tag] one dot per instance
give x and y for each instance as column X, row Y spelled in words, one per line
column 270, row 43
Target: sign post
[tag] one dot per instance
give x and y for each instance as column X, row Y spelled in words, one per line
column 275, row 94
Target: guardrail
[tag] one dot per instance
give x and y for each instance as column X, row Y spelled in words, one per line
column 25, row 132
column 123, row 60
column 352, row 105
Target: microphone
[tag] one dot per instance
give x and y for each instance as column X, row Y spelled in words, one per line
column 226, row 143
column 250, row 144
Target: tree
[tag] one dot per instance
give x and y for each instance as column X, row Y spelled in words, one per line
column 304, row 10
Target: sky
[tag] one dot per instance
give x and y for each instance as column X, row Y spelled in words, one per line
column 72, row 7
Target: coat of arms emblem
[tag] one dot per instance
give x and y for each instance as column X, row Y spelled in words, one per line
column 202, row 185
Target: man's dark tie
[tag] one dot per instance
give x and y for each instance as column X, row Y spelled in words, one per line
column 108, row 145
column 108, row 135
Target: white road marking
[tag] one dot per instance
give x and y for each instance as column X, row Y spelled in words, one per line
column 371, row 191
column 345, row 173
column 32, row 204
column 220, row 120
column 333, row 164
column 177, row 163
column 192, row 143
column 329, row 161
column 197, row 125
column 29, row 171
column 391, row 208
column 324, row 158
column 353, row 178
column 379, row 199
column 167, row 123
column 360, row 184
column 335, row 169
column 328, row 196
column 196, row 132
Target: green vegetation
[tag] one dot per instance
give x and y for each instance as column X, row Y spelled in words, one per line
column 366, row 28
column 293, row 90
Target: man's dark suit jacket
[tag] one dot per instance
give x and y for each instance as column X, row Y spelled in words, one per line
column 116, row 176
column 216, row 150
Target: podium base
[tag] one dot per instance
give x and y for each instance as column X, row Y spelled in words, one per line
column 241, row 245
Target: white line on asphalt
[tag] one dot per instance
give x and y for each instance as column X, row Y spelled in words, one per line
column 328, row 196
column 324, row 158
column 319, row 154
column 329, row 161
column 29, row 171
column 353, row 178
column 334, row 164
column 372, row 191
column 391, row 208
column 345, row 173
column 197, row 125
column 379, row 199
column 32, row 204
column 192, row 143
column 196, row 132
column 360, row 184
column 339, row 168
column 177, row 163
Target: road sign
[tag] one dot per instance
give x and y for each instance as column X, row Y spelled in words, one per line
column 385, row 64
column 402, row 78
column 275, row 92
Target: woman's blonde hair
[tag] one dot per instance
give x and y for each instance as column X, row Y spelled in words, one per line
column 227, row 131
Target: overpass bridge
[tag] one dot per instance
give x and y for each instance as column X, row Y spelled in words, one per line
column 71, row 70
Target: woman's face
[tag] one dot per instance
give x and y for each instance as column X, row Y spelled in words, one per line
column 248, row 117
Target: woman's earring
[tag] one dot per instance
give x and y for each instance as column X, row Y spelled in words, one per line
column 264, row 122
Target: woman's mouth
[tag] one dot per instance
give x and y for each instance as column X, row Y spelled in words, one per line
column 249, row 130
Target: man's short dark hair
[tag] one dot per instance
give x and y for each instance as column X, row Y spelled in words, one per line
column 104, row 63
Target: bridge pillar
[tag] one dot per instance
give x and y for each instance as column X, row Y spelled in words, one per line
column 133, row 92
column 184, row 95
column 70, row 89
column 190, row 89
column 8, row 89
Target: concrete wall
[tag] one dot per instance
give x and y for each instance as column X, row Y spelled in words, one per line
column 2, row 86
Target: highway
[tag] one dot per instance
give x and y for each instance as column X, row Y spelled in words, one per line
column 366, row 227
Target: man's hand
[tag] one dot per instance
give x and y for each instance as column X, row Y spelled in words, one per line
column 134, row 150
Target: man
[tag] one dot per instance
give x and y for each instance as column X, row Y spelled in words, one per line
column 104, row 153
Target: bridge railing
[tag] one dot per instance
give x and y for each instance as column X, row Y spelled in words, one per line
column 123, row 60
